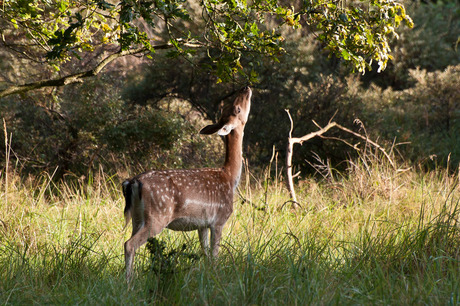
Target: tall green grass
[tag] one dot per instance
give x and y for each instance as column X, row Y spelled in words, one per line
column 372, row 235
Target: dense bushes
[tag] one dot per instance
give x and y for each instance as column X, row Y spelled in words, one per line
column 90, row 125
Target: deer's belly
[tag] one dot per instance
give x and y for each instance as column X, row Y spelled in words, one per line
column 188, row 224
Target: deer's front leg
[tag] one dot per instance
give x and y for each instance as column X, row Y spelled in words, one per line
column 216, row 234
column 203, row 234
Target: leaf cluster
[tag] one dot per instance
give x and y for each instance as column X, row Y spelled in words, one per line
column 65, row 30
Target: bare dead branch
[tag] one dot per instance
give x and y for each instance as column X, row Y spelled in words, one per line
column 289, row 180
column 291, row 142
column 320, row 132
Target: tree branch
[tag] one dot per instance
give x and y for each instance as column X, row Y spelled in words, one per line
column 69, row 79
column 78, row 77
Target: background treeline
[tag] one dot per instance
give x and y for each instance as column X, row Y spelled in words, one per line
column 145, row 114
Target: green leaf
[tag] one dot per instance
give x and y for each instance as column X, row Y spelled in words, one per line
column 254, row 29
column 103, row 5
column 345, row 55
column 15, row 23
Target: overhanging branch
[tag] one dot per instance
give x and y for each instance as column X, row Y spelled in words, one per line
column 78, row 77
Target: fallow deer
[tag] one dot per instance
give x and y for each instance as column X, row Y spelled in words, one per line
column 194, row 199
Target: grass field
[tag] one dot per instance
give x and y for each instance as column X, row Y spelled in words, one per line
column 373, row 235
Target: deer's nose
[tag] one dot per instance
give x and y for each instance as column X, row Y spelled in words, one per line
column 246, row 88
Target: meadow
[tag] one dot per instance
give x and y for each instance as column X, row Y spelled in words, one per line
column 370, row 235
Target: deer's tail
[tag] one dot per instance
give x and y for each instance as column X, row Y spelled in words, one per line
column 132, row 192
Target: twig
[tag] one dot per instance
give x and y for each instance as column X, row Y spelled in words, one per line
column 7, row 161
column 369, row 141
column 292, row 203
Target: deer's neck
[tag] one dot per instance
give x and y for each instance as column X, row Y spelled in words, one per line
column 234, row 155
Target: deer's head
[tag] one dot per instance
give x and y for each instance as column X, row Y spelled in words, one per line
column 234, row 115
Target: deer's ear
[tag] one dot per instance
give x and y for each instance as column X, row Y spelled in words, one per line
column 211, row 129
column 221, row 129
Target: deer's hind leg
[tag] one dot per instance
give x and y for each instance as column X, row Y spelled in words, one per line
column 138, row 238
